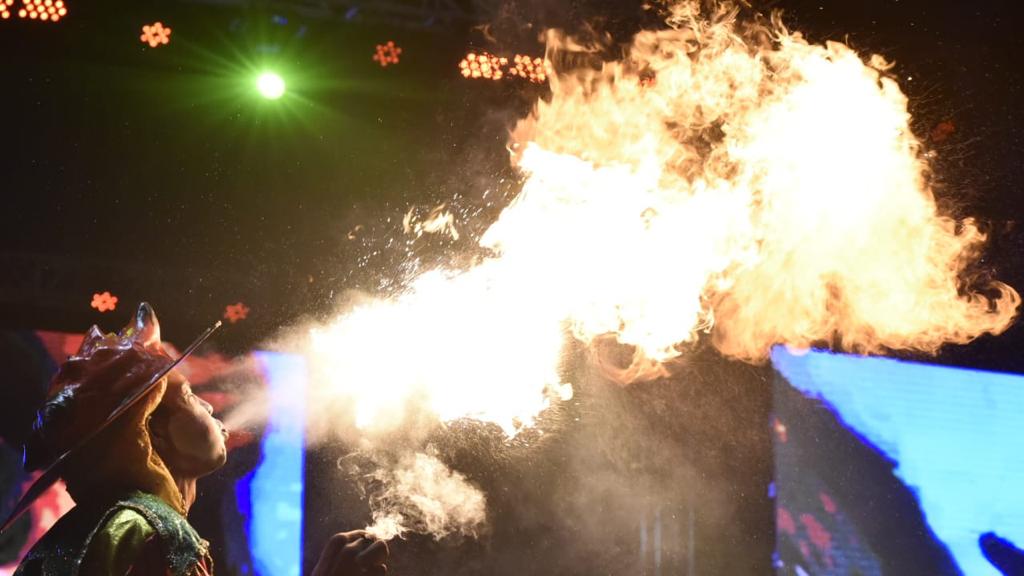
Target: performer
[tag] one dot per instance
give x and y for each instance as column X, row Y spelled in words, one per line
column 134, row 482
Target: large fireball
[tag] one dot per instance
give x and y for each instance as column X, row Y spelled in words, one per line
column 722, row 178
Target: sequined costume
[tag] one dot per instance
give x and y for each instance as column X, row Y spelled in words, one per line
column 137, row 535
column 129, row 517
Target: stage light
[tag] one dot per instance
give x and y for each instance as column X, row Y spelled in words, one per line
column 236, row 312
column 155, row 34
column 483, row 65
column 104, row 302
column 270, row 85
column 387, row 54
column 44, row 10
column 5, row 9
column 535, row 70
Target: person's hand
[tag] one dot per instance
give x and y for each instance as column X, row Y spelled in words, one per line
column 355, row 553
column 1002, row 554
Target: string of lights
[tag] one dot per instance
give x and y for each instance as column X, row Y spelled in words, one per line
column 535, row 70
column 490, row 67
column 483, row 65
column 39, row 10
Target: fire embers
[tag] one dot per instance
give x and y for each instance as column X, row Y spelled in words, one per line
column 439, row 220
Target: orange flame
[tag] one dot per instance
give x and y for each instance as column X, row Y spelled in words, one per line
column 769, row 191
column 725, row 178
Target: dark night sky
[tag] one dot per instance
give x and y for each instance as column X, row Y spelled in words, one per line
column 155, row 161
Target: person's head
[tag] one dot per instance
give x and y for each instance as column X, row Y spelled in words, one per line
column 123, row 455
column 184, row 432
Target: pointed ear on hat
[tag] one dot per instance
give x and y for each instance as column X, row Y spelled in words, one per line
column 145, row 329
column 92, row 338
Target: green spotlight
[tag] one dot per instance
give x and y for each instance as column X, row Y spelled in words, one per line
column 270, row 85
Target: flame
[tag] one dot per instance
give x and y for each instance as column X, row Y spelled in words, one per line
column 724, row 177
column 438, row 221
column 456, row 345
column 761, row 185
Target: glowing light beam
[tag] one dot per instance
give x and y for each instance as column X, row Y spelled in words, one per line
column 270, row 85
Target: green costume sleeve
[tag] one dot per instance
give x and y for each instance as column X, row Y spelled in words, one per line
column 120, row 546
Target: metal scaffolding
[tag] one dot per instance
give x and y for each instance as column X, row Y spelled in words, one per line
column 403, row 13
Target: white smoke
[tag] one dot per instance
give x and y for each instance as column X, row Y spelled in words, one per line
column 421, row 494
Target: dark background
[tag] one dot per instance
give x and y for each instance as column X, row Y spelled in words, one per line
column 158, row 174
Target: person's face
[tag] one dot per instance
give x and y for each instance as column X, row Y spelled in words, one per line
column 185, row 434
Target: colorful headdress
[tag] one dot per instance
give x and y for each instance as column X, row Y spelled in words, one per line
column 90, row 385
column 92, row 430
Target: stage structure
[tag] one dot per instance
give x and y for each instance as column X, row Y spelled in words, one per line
column 406, row 14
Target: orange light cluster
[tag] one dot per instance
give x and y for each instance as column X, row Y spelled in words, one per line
column 155, row 34
column 535, row 70
column 236, row 312
column 483, row 65
column 5, row 9
column 387, row 54
column 45, row 10
column 104, row 302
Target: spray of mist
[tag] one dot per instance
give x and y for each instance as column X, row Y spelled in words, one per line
column 419, row 493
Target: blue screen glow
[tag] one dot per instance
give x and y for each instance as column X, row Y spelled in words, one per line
column 955, row 436
column 275, row 488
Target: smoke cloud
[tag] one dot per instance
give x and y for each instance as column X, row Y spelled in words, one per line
column 419, row 493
